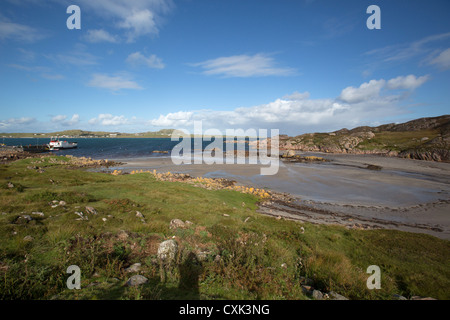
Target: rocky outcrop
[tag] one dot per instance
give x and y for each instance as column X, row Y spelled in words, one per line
column 422, row 139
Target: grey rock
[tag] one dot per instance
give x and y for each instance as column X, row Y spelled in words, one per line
column 176, row 223
column 134, row 268
column 316, row 294
column 167, row 251
column 41, row 214
column 290, row 153
column 336, row 296
column 136, row 280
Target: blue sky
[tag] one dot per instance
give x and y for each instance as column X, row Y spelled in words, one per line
column 297, row 66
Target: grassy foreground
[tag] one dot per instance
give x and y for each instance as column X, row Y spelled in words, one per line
column 229, row 252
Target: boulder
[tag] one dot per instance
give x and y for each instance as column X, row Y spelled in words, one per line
column 134, row 268
column 177, row 223
column 336, row 296
column 167, row 251
column 289, row 154
column 317, row 295
column 136, row 280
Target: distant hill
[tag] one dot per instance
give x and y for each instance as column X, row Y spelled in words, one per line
column 164, row 133
column 424, row 139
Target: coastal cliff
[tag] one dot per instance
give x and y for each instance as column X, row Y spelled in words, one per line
column 422, row 139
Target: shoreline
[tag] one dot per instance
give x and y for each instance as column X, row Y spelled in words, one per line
column 408, row 195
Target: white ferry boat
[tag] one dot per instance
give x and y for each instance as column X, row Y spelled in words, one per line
column 56, row 144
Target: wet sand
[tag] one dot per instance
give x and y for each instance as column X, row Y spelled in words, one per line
column 409, row 195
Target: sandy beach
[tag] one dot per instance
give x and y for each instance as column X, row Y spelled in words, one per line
column 409, row 195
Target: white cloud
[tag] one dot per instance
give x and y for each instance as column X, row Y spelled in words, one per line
column 114, row 83
column 151, row 61
column 139, row 23
column 100, row 35
column 109, row 120
column 61, row 119
column 409, row 82
column 442, row 60
column 258, row 65
column 137, row 18
column 171, row 120
column 19, row 32
column 371, row 90
column 297, row 113
column 366, row 91
column 16, row 123
column 408, row 50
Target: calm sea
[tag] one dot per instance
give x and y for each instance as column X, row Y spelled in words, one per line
column 108, row 148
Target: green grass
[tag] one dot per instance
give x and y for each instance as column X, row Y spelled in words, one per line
column 262, row 258
column 398, row 141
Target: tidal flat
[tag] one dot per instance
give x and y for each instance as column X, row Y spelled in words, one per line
column 402, row 194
